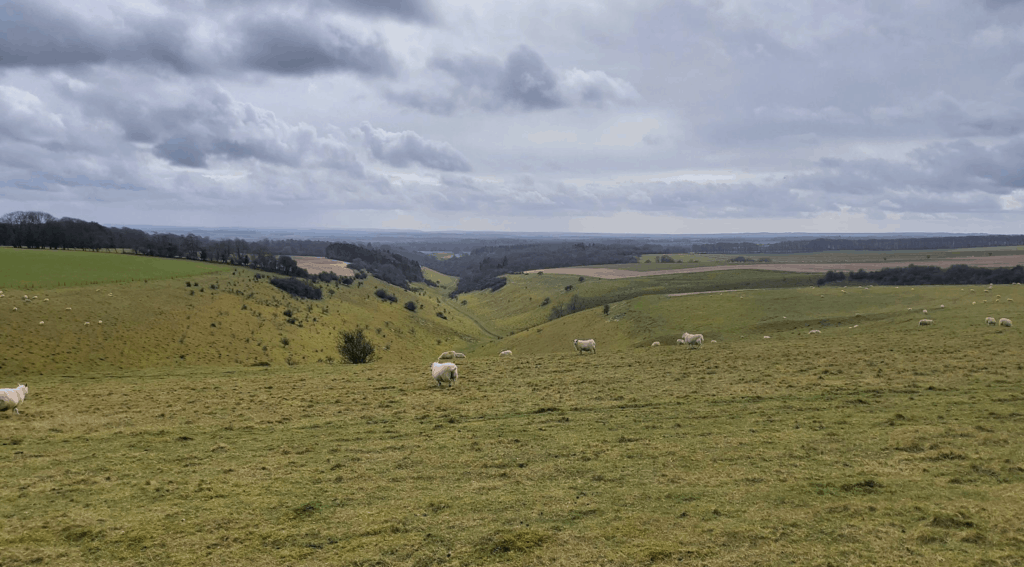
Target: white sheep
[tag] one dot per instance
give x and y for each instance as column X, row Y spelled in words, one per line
column 925, row 322
column 1004, row 322
column 925, row 311
column 582, row 345
column 505, row 353
column 86, row 323
column 41, row 322
column 694, row 340
column 458, row 354
column 656, row 343
column 444, row 371
column 943, row 306
column 990, row 321
column 11, row 398
column 712, row 341
column 814, row 332
column 767, row 337
column 67, row 309
column 446, row 355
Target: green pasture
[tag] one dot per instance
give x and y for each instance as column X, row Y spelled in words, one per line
column 226, row 318
column 520, row 304
column 893, row 445
column 24, row 269
column 829, row 257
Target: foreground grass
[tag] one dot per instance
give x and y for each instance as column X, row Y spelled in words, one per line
column 888, row 448
column 25, row 269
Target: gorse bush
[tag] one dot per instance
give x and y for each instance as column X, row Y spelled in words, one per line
column 410, row 305
column 356, row 347
column 383, row 294
column 297, row 287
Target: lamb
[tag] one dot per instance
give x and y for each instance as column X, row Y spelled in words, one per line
column 693, row 340
column 925, row 322
column 11, row 398
column 444, row 371
column 505, row 353
column 990, row 321
column 656, row 343
column 680, row 342
column 447, row 355
column 582, row 345
column 1004, row 322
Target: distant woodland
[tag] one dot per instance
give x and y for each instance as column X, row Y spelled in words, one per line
column 479, row 263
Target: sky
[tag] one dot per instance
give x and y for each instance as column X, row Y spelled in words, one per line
column 688, row 116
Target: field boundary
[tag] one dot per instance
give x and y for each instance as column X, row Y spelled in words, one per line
column 614, row 274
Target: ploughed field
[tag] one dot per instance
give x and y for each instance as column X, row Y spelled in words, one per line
column 152, row 441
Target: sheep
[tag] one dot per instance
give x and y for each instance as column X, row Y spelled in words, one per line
column 990, row 321
column 943, row 306
column 680, row 342
column 15, row 308
column 656, row 343
column 1004, row 322
column 458, row 354
column 925, row 322
column 767, row 337
column 814, row 332
column 67, row 309
column 925, row 311
column 712, row 341
column 505, row 353
column 694, row 340
column 444, row 371
column 11, row 398
column 584, row 345
column 86, row 323
column 41, row 322
column 446, row 355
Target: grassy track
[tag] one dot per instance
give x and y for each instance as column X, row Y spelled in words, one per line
column 27, row 270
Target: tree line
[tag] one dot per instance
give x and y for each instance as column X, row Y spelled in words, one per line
column 958, row 274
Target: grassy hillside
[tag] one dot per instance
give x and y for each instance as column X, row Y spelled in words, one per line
column 886, row 445
column 521, row 303
column 223, row 319
column 783, row 314
column 28, row 270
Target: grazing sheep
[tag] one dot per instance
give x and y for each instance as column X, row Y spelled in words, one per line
column 767, row 337
column 693, row 340
column 87, row 323
column 1004, row 322
column 925, row 311
column 990, row 321
column 41, row 322
column 15, row 308
column 943, row 306
column 444, row 371
column 67, row 309
column 925, row 322
column 11, row 398
column 680, row 342
column 505, row 353
column 446, row 355
column 814, row 332
column 585, row 345
column 459, row 355
column 656, row 343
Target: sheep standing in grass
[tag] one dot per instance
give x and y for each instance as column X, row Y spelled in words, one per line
column 656, row 343
column 925, row 322
column 1004, row 322
column 814, row 332
column 588, row 345
column 444, row 371
column 458, row 354
column 694, row 340
column 505, row 353
column 990, row 321
column 11, row 398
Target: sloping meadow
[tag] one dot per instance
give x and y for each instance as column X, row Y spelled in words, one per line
column 891, row 444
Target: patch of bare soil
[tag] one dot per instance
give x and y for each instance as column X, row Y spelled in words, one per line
column 613, row 274
column 315, row 265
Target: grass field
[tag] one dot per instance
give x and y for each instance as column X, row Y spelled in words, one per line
column 830, row 257
column 152, row 440
column 28, row 270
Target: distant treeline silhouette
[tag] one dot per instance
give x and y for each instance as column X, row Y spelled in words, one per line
column 875, row 244
column 959, row 274
column 382, row 263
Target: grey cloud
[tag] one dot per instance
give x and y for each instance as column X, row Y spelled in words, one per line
column 298, row 47
column 408, row 10
column 402, row 148
column 523, row 81
column 41, row 34
column 181, row 151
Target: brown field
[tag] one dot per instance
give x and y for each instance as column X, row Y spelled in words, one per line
column 315, row 265
column 613, row 273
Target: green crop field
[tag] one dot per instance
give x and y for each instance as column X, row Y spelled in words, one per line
column 27, row 270
column 153, row 440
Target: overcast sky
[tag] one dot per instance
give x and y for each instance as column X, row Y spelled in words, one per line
column 660, row 117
